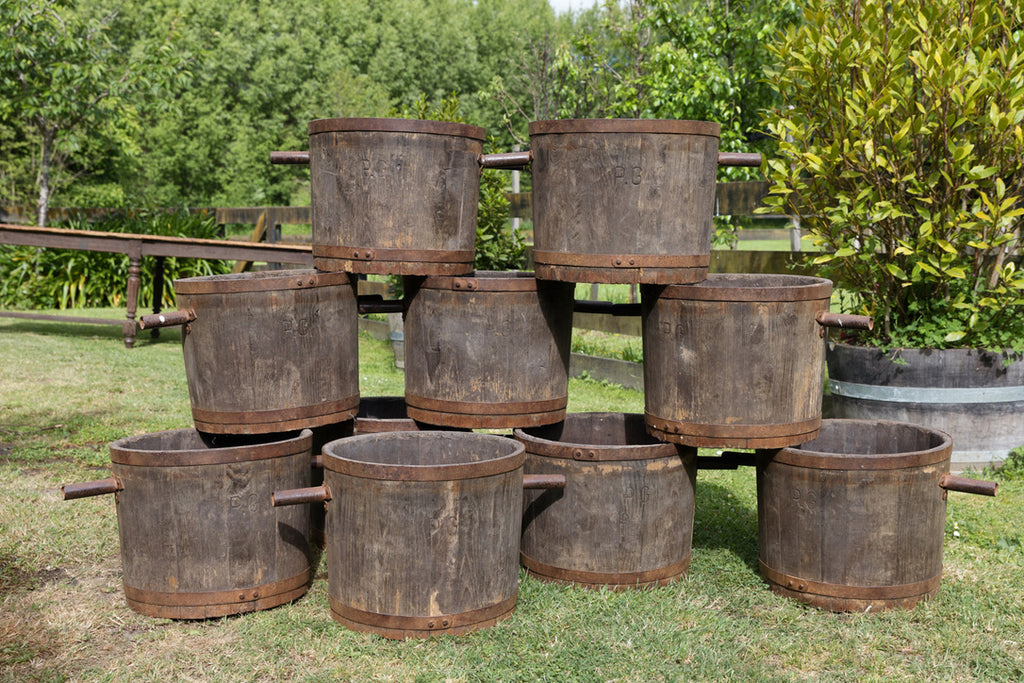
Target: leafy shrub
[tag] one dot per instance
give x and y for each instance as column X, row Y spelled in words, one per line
column 901, row 148
column 1013, row 467
column 33, row 278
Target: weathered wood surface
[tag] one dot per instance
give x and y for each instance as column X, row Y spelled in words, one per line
column 199, row 538
column 625, row 517
column 270, row 351
column 855, row 518
column 423, row 531
column 488, row 351
column 402, row 199
column 627, row 201
column 735, row 361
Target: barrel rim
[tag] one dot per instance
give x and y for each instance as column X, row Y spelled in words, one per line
column 629, row 126
column 500, row 464
column 396, row 125
column 591, row 452
column 735, row 287
column 122, row 451
column 824, row 460
column 261, row 281
column 485, row 281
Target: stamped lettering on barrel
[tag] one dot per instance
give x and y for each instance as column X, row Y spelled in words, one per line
column 301, row 325
column 628, row 175
column 245, row 502
column 382, row 168
column 806, row 501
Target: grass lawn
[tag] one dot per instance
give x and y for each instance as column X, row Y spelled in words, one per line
column 66, row 391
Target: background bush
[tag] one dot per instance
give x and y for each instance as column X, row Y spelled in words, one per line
column 65, row 278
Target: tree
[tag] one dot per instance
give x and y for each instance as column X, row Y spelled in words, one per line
column 61, row 75
column 674, row 59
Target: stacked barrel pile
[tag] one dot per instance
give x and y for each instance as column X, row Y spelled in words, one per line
column 425, row 528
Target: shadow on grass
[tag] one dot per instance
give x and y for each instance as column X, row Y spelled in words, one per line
column 721, row 520
column 59, row 328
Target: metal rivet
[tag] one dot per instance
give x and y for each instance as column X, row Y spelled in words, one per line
column 458, row 285
column 789, row 584
column 618, row 262
column 632, row 262
column 255, row 594
column 430, row 624
column 241, row 596
column 591, row 454
column 444, row 623
column 801, row 587
column 355, row 254
column 577, row 453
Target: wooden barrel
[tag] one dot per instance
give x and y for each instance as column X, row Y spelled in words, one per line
column 622, row 200
column 489, row 350
column 270, row 351
column 423, row 531
column 854, row 519
column 975, row 396
column 625, row 517
column 394, row 195
column 199, row 538
column 735, row 361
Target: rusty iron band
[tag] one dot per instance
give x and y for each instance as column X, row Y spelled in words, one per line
column 558, row 258
column 373, row 125
column 796, row 457
column 522, row 282
column 263, row 281
column 753, row 431
column 485, row 408
column 832, row 590
column 205, row 600
column 609, row 578
column 655, row 126
column 592, row 453
column 122, row 452
column 337, row 411
column 401, row 255
column 788, row 288
column 439, row 623
column 510, row 458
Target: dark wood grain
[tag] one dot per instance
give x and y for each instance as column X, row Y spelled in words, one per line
column 855, row 519
column 625, row 517
column 202, row 540
column 488, row 356
column 270, row 351
column 735, row 361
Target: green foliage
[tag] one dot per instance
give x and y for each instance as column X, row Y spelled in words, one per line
column 1012, row 468
column 66, row 278
column 63, row 79
column 499, row 246
column 901, row 148
column 670, row 60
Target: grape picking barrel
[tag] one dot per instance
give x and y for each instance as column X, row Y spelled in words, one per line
column 736, row 360
column 269, row 351
column 422, row 530
column 394, row 196
column 625, row 518
column 623, row 200
column 854, row 519
column 199, row 537
column 490, row 350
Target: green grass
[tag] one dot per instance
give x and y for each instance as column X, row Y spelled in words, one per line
column 67, row 390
